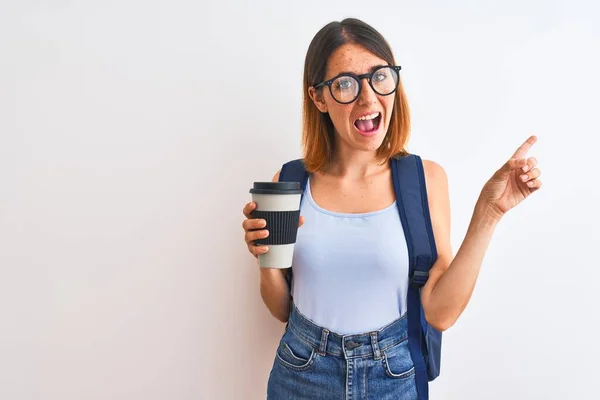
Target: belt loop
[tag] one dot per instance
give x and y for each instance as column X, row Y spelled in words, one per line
column 375, row 345
column 323, row 346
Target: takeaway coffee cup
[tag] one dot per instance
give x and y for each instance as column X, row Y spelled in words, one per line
column 278, row 203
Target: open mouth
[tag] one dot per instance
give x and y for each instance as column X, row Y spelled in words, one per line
column 368, row 123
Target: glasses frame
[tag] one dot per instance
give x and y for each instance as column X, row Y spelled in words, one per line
column 359, row 79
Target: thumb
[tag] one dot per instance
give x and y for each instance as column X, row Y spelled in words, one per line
column 301, row 221
column 510, row 166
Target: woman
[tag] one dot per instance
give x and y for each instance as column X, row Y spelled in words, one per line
column 356, row 119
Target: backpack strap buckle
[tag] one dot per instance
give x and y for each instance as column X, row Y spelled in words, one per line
column 418, row 279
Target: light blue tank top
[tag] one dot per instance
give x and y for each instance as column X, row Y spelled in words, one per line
column 350, row 270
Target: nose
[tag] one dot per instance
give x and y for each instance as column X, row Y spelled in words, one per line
column 366, row 95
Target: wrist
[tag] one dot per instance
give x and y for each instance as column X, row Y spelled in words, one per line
column 487, row 214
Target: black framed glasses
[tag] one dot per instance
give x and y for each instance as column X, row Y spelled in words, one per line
column 346, row 87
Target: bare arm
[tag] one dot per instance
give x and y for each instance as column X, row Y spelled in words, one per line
column 275, row 293
column 452, row 280
column 274, row 289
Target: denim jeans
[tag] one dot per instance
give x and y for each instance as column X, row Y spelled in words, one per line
column 313, row 363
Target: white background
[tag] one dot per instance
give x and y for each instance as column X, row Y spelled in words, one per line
column 131, row 132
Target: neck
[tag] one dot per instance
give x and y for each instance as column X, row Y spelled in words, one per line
column 354, row 164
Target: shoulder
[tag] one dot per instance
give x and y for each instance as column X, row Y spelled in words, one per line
column 434, row 172
column 436, row 179
column 276, row 176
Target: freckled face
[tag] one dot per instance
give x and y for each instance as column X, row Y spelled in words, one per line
column 362, row 124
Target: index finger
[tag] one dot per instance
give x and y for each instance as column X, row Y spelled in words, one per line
column 248, row 209
column 524, row 148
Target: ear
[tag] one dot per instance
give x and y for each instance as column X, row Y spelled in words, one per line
column 317, row 97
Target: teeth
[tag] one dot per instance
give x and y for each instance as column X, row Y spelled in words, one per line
column 368, row 117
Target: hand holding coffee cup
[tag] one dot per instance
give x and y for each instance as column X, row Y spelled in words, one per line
column 254, row 230
column 273, row 219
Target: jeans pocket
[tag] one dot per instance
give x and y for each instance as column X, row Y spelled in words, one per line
column 295, row 354
column 397, row 361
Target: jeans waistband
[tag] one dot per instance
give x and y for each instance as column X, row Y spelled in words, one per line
column 348, row 346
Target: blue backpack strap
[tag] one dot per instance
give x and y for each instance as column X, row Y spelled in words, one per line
column 411, row 195
column 294, row 171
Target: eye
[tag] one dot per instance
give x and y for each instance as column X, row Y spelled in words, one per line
column 345, row 83
column 380, row 76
